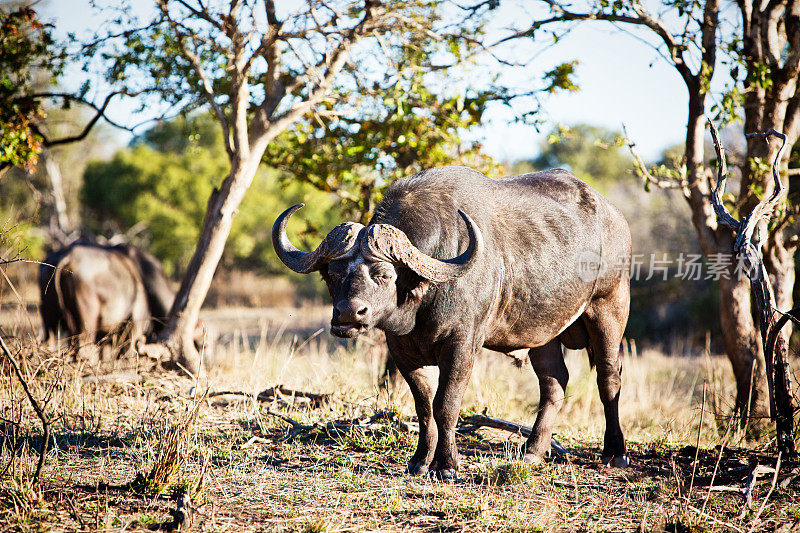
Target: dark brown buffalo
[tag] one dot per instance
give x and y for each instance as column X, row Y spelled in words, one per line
column 539, row 262
column 90, row 291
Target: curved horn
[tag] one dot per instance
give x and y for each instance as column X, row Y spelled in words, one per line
column 338, row 243
column 383, row 242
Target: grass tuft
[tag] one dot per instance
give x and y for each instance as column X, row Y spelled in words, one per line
column 173, row 452
column 513, row 473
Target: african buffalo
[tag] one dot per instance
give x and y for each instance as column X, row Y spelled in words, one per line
column 540, row 261
column 89, row 291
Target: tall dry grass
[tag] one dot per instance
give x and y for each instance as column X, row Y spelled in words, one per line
column 661, row 397
column 660, row 400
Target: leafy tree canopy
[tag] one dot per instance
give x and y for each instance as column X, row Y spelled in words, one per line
column 24, row 50
column 381, row 134
column 161, row 183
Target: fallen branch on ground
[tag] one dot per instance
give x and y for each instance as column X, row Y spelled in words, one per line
column 340, row 428
column 776, row 470
column 752, row 479
column 727, row 525
column 470, row 423
column 482, row 420
column 280, row 393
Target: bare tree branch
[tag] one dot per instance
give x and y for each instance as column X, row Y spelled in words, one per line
column 202, row 13
column 778, row 376
column 332, row 65
column 100, row 112
column 642, row 18
column 647, row 176
column 269, row 10
column 764, row 208
column 43, row 418
column 723, row 216
column 208, row 90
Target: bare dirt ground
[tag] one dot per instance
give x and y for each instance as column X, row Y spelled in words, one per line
column 284, row 463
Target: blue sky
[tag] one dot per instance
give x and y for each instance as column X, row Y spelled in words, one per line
column 621, row 80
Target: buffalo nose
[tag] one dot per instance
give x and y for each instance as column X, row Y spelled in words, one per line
column 351, row 311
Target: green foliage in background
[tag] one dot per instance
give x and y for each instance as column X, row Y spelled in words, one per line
column 383, row 132
column 592, row 153
column 24, row 50
column 20, row 238
column 161, row 185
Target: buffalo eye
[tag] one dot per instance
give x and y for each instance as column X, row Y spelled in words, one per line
column 380, row 275
column 337, row 271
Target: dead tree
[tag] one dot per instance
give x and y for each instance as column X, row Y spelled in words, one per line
column 747, row 248
column 61, row 231
column 757, row 44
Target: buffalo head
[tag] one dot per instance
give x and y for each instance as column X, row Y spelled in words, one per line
column 374, row 274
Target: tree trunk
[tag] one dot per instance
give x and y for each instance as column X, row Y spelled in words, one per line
column 179, row 334
column 779, row 263
column 739, row 331
column 703, row 216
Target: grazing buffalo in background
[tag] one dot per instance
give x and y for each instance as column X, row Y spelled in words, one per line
column 90, row 291
column 538, row 261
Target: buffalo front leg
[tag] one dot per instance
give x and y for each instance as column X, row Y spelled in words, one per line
column 455, row 367
column 548, row 363
column 422, row 382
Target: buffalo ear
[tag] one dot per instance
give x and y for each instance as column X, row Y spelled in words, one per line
column 419, row 291
column 411, row 287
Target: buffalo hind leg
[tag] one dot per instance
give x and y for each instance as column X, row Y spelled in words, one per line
column 88, row 320
column 548, row 363
column 605, row 323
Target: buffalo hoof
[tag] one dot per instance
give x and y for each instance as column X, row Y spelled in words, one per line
column 417, row 469
column 616, row 461
column 448, row 475
column 532, row 459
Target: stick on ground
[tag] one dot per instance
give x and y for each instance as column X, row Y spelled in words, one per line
column 482, row 420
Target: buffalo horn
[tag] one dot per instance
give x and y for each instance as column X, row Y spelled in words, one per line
column 383, row 242
column 338, row 243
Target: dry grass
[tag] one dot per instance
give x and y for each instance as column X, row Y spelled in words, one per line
column 254, row 478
